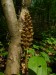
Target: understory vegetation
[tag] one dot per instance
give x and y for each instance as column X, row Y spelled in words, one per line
column 41, row 55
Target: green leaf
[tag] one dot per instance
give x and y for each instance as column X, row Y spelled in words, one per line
column 53, row 74
column 35, row 46
column 1, row 73
column 49, row 70
column 37, row 65
column 5, row 54
column 2, row 49
column 31, row 51
column 54, row 42
column 1, row 44
column 45, row 55
column 50, row 49
column 49, row 41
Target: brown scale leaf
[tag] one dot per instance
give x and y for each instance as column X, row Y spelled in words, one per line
column 30, row 27
column 29, row 36
column 31, row 39
column 25, row 39
column 27, row 32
